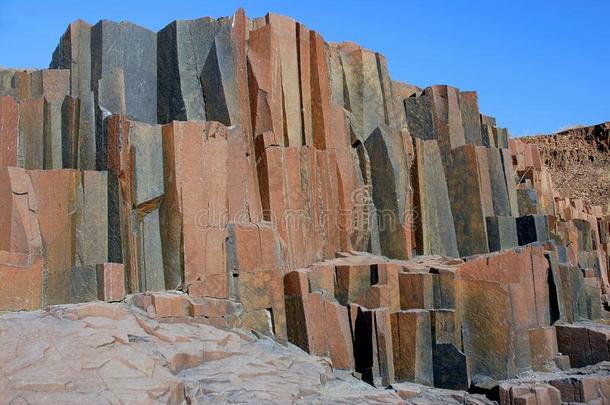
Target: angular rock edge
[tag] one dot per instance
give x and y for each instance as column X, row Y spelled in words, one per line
column 290, row 187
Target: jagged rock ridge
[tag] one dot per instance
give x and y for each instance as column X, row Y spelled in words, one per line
column 289, row 186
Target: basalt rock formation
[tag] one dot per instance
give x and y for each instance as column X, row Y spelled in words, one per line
column 578, row 161
column 289, row 186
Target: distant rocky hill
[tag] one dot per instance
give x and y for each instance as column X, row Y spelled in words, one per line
column 579, row 161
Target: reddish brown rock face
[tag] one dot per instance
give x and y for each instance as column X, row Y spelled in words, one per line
column 55, row 191
column 21, row 285
column 111, row 282
column 195, row 213
column 287, row 185
column 9, row 131
column 577, row 161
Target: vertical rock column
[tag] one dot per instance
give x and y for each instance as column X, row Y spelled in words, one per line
column 135, row 161
column 367, row 96
column 9, row 131
column 74, row 53
column 21, row 255
column 194, row 212
column 72, row 213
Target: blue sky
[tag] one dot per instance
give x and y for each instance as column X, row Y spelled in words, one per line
column 538, row 66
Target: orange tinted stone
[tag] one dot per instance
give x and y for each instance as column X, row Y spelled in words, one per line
column 296, row 284
column 338, row 335
column 9, row 131
column 351, row 282
column 21, row 287
column 416, row 290
column 56, row 190
column 248, row 247
column 265, row 83
column 168, row 305
column 111, row 281
column 322, row 278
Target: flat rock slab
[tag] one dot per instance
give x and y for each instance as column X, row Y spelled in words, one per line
column 116, row 353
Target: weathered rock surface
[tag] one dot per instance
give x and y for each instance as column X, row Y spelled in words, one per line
column 578, row 160
column 116, row 353
column 246, row 174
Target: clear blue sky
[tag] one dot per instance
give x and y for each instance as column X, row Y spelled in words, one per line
column 538, row 65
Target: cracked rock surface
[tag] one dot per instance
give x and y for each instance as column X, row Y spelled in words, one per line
column 115, row 354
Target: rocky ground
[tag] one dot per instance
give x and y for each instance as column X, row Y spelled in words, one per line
column 103, row 353
column 579, row 162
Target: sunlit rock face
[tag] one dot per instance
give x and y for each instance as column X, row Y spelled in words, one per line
column 275, row 182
